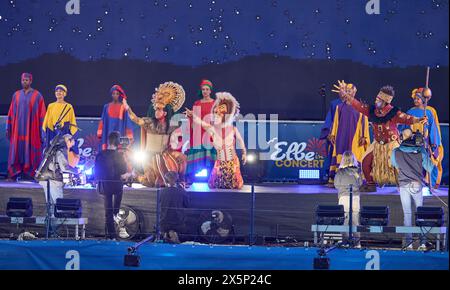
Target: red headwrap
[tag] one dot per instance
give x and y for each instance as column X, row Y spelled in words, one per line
column 120, row 90
column 27, row 75
column 206, row 83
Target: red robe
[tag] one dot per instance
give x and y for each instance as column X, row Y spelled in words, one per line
column 24, row 131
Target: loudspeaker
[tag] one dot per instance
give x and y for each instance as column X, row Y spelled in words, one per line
column 429, row 216
column 19, row 207
column 330, row 215
column 68, row 208
column 374, row 216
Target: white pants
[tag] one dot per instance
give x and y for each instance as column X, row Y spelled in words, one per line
column 56, row 191
column 345, row 201
column 409, row 193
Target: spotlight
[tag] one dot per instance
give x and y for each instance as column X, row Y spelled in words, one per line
column 253, row 170
column 251, row 158
column 202, row 173
column 89, row 172
column 139, row 157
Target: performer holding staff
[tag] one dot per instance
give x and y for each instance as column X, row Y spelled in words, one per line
column 431, row 130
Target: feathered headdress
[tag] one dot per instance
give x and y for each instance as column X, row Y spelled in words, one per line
column 231, row 103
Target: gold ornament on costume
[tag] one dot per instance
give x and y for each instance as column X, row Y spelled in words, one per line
column 169, row 93
column 427, row 93
column 385, row 97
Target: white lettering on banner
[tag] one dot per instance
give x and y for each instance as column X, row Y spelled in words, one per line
column 294, row 152
column 374, row 260
column 86, row 152
column 74, row 262
column 373, row 7
column 73, row 7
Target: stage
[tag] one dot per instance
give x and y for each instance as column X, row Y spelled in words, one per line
column 282, row 212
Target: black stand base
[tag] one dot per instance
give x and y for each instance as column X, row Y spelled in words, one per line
column 132, row 260
column 321, row 263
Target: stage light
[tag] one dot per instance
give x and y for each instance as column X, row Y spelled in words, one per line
column 330, row 215
column 89, row 172
column 374, row 216
column 429, row 216
column 253, row 170
column 426, row 191
column 139, row 157
column 309, row 174
column 251, row 158
column 200, row 186
column 68, row 208
column 202, row 173
column 19, row 207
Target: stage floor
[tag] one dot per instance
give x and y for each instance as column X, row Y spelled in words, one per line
column 281, row 210
column 109, row 255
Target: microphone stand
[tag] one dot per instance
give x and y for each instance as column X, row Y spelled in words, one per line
column 49, row 216
column 350, row 218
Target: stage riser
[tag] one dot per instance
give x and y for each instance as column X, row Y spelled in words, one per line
column 288, row 214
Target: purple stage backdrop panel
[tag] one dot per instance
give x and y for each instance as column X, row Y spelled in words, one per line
column 291, row 147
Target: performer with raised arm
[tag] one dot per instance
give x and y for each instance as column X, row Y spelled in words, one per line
column 226, row 172
column 376, row 164
column 349, row 132
column 114, row 118
column 201, row 154
column 24, row 130
column 156, row 132
column 61, row 116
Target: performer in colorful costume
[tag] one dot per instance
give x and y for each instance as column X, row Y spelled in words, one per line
column 156, row 135
column 24, row 129
column 226, row 172
column 349, row 132
column 432, row 132
column 376, row 164
column 114, row 118
column 325, row 134
column 201, row 154
column 61, row 116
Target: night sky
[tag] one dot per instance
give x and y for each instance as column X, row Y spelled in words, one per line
column 196, row 32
